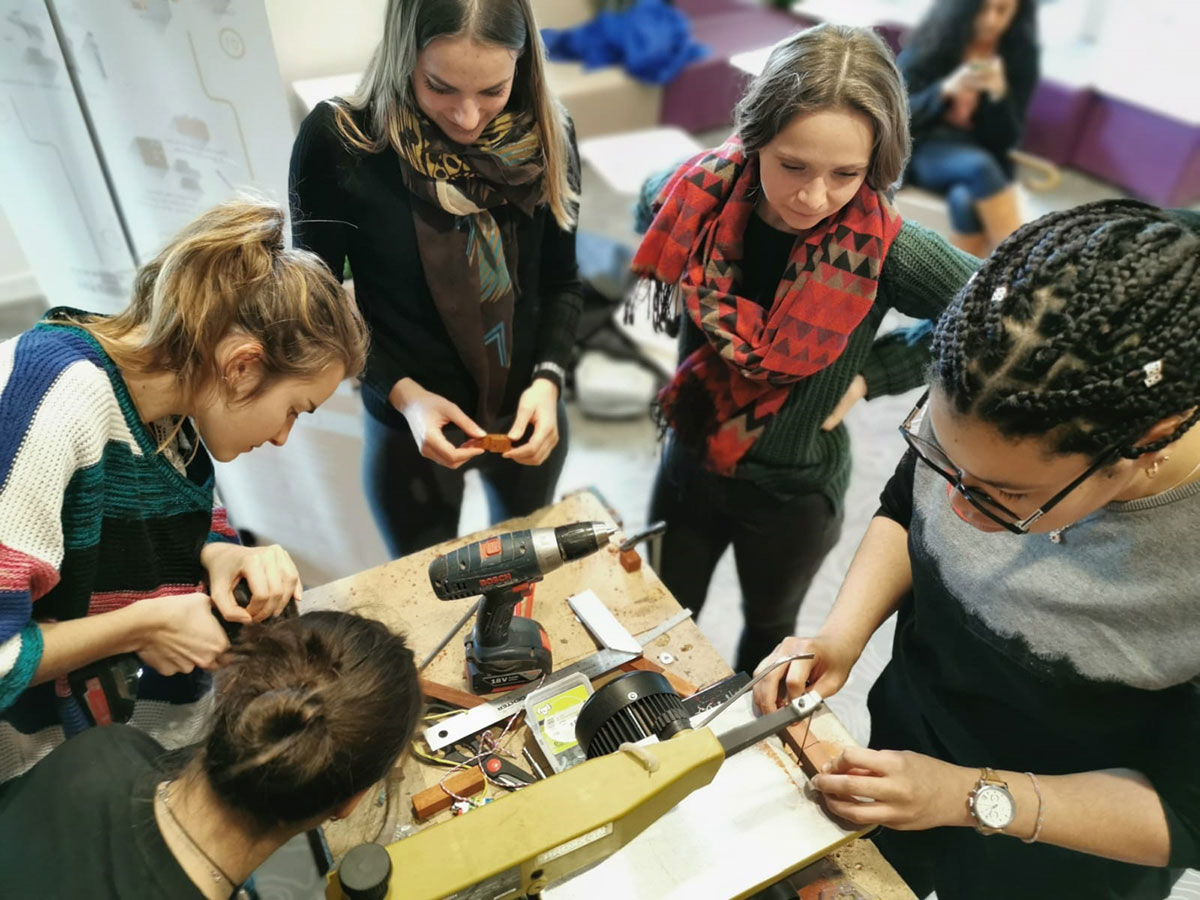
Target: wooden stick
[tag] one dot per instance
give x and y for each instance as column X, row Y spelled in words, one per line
column 432, row 801
column 453, row 696
column 813, row 753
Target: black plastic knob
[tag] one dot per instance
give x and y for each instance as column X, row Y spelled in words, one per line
column 366, row 873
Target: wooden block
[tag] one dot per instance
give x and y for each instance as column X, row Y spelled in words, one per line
column 492, row 443
column 432, row 801
column 630, row 560
column 814, row 753
column 453, row 696
column 683, row 687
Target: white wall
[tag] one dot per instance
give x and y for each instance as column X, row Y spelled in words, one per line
column 313, row 38
column 16, row 280
column 316, row 38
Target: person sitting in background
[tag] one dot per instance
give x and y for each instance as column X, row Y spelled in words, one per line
column 309, row 713
column 971, row 67
column 110, row 543
column 1037, row 543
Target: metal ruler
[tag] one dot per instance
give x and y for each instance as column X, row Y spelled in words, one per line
column 659, row 630
column 456, row 728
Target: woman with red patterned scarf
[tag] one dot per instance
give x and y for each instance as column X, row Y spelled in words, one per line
column 777, row 256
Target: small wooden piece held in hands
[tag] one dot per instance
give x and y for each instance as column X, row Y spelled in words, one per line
column 492, row 443
column 432, row 801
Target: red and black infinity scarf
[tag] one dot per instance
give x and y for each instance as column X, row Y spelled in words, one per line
column 724, row 393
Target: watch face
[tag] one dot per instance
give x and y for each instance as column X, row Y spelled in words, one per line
column 994, row 806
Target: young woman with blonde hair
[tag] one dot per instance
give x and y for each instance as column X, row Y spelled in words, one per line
column 449, row 183
column 779, row 253
column 110, row 542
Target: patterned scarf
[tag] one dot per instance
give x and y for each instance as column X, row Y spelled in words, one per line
column 470, row 259
column 723, row 394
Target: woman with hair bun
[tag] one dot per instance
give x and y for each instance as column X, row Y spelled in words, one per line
column 309, row 713
column 110, row 542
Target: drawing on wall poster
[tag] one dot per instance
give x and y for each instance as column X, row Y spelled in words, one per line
column 54, row 194
column 185, row 106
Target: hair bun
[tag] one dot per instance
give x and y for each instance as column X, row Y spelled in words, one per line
column 285, row 712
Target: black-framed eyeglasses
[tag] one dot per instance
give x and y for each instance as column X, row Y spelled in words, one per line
column 934, row 457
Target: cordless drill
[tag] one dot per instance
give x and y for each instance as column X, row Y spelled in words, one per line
column 504, row 653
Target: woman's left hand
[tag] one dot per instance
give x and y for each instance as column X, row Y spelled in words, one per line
column 900, row 789
column 854, row 393
column 539, row 407
column 269, row 573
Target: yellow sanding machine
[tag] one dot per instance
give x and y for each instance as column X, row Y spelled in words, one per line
column 520, row 844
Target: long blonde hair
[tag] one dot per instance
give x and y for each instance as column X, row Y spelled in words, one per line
column 409, row 26
column 228, row 272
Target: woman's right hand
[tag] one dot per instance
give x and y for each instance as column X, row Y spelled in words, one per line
column 967, row 77
column 427, row 414
column 825, row 673
column 179, row 633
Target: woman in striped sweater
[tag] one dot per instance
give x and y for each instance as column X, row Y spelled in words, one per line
column 110, row 542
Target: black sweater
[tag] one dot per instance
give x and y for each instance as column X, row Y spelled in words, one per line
column 348, row 204
column 1022, row 654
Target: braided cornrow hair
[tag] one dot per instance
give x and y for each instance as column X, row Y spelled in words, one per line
column 1054, row 333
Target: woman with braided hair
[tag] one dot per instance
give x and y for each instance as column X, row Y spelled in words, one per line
column 1038, row 544
column 310, row 713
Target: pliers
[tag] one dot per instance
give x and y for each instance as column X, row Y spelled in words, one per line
column 498, row 770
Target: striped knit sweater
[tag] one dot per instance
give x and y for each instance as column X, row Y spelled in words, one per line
column 92, row 519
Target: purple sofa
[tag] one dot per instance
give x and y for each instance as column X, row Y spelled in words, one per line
column 702, row 97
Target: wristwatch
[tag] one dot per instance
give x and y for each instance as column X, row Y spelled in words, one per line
column 991, row 803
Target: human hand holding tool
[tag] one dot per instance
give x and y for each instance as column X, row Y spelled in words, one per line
column 825, row 671
column 268, row 573
column 503, row 652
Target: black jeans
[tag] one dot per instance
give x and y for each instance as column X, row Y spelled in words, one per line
column 416, row 502
column 778, row 546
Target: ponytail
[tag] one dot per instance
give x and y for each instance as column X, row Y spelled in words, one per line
column 228, row 272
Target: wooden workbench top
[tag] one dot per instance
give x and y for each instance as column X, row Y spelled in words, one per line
column 399, row 594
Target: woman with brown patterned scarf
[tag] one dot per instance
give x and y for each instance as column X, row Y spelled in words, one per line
column 449, row 184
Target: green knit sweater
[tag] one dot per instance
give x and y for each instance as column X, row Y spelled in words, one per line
column 920, row 277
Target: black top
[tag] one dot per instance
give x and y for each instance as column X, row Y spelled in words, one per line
column 1025, row 655
column 348, row 204
column 81, row 824
column 997, row 125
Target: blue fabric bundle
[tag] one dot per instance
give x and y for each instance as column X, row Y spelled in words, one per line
column 652, row 40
